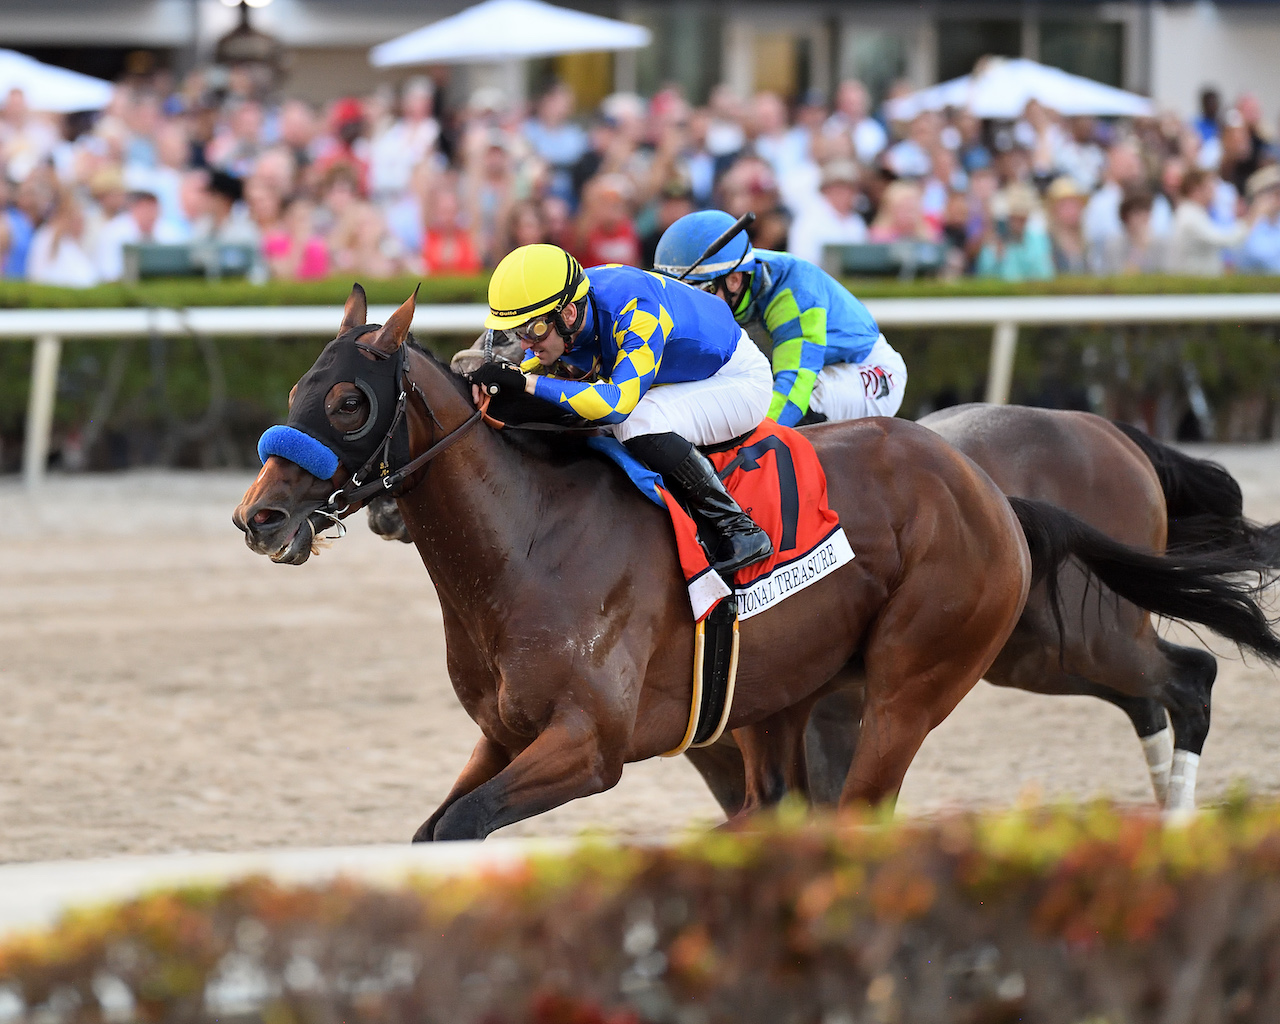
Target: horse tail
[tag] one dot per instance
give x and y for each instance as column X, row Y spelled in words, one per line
column 1210, row 588
column 1205, row 506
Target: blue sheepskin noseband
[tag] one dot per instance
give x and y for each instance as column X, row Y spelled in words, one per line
column 290, row 443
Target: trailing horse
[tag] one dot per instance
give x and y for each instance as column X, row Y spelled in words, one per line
column 566, row 618
column 1103, row 647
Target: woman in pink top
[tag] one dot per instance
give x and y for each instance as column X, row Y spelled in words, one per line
column 295, row 251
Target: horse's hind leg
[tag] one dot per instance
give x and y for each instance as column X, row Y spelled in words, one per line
column 1182, row 680
column 831, row 736
column 773, row 757
column 932, row 642
column 1151, row 723
column 1188, row 688
column 1112, row 652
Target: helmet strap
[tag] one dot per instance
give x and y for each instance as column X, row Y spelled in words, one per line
column 739, row 302
column 567, row 333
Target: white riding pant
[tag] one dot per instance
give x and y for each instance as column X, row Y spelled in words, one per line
column 731, row 402
column 873, row 387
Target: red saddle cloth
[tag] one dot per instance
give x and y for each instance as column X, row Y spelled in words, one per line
column 775, row 475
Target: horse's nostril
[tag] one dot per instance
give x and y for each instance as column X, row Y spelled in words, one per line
column 267, row 516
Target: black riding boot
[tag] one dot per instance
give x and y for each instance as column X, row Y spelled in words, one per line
column 738, row 541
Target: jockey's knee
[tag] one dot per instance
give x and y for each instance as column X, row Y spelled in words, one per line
column 659, row 451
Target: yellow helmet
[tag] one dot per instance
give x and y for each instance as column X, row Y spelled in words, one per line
column 531, row 281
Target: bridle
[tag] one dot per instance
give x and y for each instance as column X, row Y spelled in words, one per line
column 357, row 490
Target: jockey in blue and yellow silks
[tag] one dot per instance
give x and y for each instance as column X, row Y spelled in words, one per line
column 660, row 365
column 830, row 361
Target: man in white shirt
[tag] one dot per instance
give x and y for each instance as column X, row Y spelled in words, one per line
column 25, row 138
column 830, row 219
column 140, row 221
column 1101, row 220
column 1077, row 155
column 555, row 138
column 1197, row 245
column 404, row 144
column 164, row 179
column 852, row 116
column 910, row 158
column 773, row 139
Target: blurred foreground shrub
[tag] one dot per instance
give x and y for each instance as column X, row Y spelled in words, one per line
column 1060, row 916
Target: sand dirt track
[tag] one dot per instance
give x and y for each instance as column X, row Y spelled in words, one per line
column 164, row 689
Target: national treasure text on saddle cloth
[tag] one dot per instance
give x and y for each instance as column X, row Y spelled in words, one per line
column 775, row 475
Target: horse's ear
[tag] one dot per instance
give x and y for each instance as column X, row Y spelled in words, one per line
column 391, row 335
column 356, row 312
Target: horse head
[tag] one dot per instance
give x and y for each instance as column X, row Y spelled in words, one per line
column 353, row 423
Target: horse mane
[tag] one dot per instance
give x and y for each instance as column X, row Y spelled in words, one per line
column 459, row 382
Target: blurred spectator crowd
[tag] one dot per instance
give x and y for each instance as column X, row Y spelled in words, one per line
column 389, row 184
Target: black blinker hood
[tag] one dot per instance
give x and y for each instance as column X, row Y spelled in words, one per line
column 346, row 358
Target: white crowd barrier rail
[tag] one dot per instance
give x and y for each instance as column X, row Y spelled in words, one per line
column 1005, row 315
column 36, row 895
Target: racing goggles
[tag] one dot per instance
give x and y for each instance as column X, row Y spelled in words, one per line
column 535, row 330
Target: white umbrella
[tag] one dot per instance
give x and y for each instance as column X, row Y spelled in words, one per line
column 498, row 30
column 50, row 88
column 1001, row 88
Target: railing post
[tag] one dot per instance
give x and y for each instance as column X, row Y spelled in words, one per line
column 1004, row 343
column 44, row 388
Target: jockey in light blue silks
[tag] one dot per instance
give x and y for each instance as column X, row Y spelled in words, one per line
column 830, row 361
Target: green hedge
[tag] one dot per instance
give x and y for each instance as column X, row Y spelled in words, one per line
column 1053, row 916
column 165, row 387
column 180, row 292
column 195, row 292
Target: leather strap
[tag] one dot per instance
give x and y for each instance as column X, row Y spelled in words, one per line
column 391, row 481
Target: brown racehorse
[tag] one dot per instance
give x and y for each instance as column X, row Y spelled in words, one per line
column 1124, row 483
column 567, row 623
column 1135, row 490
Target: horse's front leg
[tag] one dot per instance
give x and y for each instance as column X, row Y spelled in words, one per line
column 567, row 760
column 487, row 759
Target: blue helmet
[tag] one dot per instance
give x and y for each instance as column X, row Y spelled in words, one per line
column 687, row 238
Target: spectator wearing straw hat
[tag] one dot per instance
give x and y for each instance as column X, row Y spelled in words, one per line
column 1064, row 200
column 1261, row 251
column 1016, row 249
column 831, row 218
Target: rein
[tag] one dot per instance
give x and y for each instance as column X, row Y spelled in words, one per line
column 482, row 410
